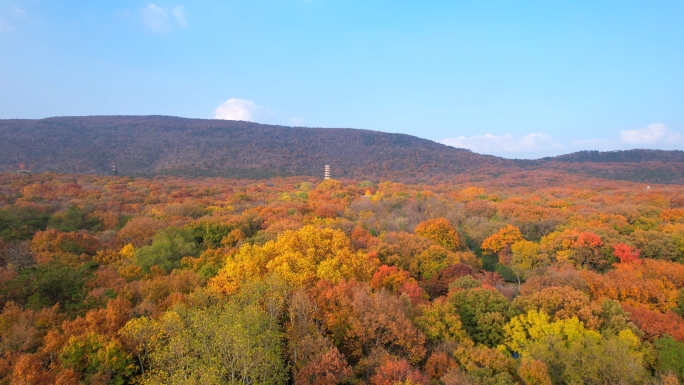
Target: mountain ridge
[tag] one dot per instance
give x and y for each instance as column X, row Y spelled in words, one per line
column 635, row 155
column 168, row 145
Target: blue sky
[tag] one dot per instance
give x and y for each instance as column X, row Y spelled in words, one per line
column 518, row 79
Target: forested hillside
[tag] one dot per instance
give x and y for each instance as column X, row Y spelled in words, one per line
column 628, row 156
column 158, row 145
column 532, row 277
column 649, row 166
column 192, row 147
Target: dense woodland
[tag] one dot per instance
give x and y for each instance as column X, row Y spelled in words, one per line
column 162, row 145
column 526, row 278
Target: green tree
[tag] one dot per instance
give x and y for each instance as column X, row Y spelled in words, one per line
column 74, row 219
column 680, row 303
column 483, row 313
column 94, row 355
column 670, row 356
column 657, row 245
column 591, row 361
column 439, row 322
column 210, row 232
column 167, row 249
column 18, row 223
column 239, row 342
column 45, row 285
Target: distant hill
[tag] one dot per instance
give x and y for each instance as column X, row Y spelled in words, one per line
column 624, row 156
column 638, row 165
column 162, row 145
column 152, row 145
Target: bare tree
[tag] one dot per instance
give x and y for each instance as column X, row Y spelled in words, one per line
column 18, row 254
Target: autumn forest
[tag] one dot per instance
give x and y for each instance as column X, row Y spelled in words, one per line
column 530, row 277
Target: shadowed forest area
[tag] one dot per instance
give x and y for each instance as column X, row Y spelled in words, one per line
column 529, row 277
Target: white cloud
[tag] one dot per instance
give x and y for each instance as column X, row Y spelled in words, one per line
column 10, row 16
column 505, row 144
column 179, row 14
column 160, row 20
column 654, row 133
column 533, row 145
column 236, row 109
column 17, row 12
column 155, row 18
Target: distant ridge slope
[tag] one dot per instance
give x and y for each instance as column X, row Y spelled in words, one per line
column 164, row 145
column 622, row 156
column 638, row 165
column 149, row 145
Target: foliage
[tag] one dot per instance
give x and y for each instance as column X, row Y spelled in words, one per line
column 49, row 284
column 670, row 356
column 505, row 237
column 574, row 353
column 360, row 321
column 238, row 341
column 588, row 360
column 440, row 322
column 94, row 355
column 534, row 372
column 626, row 254
column 17, row 223
column 74, row 219
column 559, row 303
column 212, row 233
column 438, row 284
column 484, row 313
column 167, row 249
column 327, row 369
column 289, row 280
column 439, row 231
column 525, row 258
column 299, row 258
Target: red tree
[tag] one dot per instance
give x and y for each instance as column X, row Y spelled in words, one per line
column 627, row 254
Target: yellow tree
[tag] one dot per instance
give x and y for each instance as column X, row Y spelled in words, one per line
column 575, row 354
column 536, row 325
column 525, row 257
column 440, row 231
column 299, row 257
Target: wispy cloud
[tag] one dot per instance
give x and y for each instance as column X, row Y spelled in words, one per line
column 507, row 144
column 162, row 20
column 155, row 18
column 654, row 136
column 10, row 16
column 236, row 109
column 17, row 12
column 655, row 133
column 178, row 13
